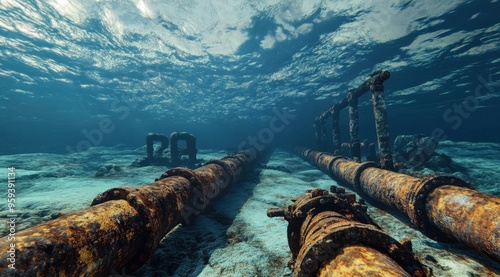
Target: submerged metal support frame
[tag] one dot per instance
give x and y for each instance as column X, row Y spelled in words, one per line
column 150, row 139
column 124, row 225
column 443, row 208
column 190, row 150
column 380, row 112
column 375, row 85
column 332, row 235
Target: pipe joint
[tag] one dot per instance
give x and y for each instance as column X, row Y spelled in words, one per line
column 322, row 224
column 417, row 198
column 357, row 174
column 149, row 225
column 334, row 237
column 182, row 172
column 227, row 169
column 330, row 165
column 317, row 201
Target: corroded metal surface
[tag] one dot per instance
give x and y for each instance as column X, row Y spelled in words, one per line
column 467, row 215
column 324, row 227
column 380, row 112
column 375, row 84
column 358, row 261
column 443, row 208
column 123, row 227
column 90, row 242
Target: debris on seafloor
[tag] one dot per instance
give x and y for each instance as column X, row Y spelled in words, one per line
column 416, row 155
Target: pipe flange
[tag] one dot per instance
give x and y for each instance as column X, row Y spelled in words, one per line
column 304, row 205
column 229, row 171
column 240, row 159
column 315, row 202
column 326, row 245
column 417, row 199
column 231, row 156
column 141, row 204
column 112, row 194
column 330, row 165
column 186, row 173
column 357, row 175
column 318, row 157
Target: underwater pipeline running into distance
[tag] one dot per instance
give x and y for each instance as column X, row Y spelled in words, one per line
column 443, row 208
column 123, row 227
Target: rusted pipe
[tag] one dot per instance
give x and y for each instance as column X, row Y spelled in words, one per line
column 325, row 229
column 360, row 261
column 443, row 208
column 380, row 112
column 123, row 227
column 468, row 213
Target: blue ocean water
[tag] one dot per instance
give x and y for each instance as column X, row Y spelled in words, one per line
column 85, row 81
column 218, row 69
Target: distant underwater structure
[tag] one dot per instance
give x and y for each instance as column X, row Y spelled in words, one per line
column 124, row 225
column 156, row 157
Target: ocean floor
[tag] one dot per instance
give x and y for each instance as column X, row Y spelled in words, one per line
column 234, row 237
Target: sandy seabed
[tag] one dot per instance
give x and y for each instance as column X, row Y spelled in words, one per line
column 233, row 236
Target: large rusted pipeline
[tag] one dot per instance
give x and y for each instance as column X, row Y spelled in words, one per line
column 123, row 227
column 361, row 261
column 332, row 235
column 443, row 208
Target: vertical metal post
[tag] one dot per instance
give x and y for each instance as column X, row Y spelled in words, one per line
column 354, row 126
column 380, row 111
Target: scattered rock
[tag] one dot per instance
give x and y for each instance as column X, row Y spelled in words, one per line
column 108, row 170
column 431, row 259
column 416, row 155
column 411, row 151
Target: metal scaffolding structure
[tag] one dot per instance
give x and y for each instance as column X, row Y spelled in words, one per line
column 375, row 84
